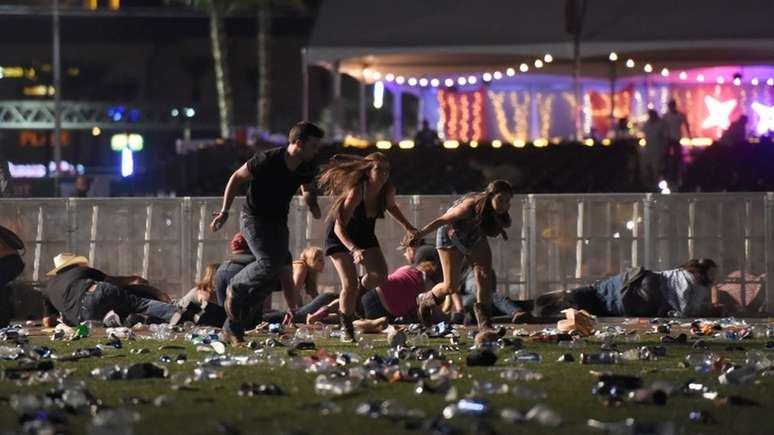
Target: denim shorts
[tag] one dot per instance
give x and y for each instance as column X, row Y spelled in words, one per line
column 444, row 240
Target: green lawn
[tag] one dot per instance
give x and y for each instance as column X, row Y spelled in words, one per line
column 567, row 387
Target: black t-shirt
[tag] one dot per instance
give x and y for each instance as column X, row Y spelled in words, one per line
column 273, row 185
column 64, row 291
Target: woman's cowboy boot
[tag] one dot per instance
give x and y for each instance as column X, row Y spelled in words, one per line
column 486, row 331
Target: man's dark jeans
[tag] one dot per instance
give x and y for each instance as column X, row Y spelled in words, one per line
column 107, row 297
column 11, row 266
column 223, row 276
column 268, row 241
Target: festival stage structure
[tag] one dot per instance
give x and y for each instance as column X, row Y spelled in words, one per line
column 507, row 71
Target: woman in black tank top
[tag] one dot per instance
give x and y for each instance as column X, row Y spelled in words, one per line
column 362, row 193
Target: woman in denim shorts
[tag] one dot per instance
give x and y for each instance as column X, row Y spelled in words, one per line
column 462, row 233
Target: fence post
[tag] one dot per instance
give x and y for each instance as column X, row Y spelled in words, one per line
column 70, row 212
column 532, row 246
column 184, row 244
column 768, row 246
column 648, row 230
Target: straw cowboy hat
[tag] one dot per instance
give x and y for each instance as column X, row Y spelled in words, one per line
column 66, row 259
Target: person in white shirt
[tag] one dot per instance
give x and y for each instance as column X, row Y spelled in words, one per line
column 675, row 121
column 654, row 153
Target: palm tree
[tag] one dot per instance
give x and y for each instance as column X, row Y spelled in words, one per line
column 216, row 9
column 263, row 38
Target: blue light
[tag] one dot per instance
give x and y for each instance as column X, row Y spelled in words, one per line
column 127, row 162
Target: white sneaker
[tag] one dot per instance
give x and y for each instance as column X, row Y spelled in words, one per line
column 111, row 320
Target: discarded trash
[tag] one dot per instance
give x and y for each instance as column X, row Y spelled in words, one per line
column 544, row 415
column 740, row 375
column 648, row 396
column 524, row 356
column 334, row 386
column 600, row 358
column 567, row 357
column 481, row 357
column 473, row 407
column 520, row 374
column 252, row 389
column 703, row 417
column 579, row 321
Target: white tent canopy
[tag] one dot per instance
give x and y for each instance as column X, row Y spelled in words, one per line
column 436, row 37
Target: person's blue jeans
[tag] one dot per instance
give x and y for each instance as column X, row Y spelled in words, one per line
column 268, row 241
column 106, row 297
column 299, row 316
column 225, row 273
column 609, row 293
column 500, row 302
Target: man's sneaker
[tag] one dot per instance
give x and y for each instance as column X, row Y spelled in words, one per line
column 111, row 320
column 425, row 306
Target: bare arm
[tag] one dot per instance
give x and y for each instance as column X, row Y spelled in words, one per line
column 238, row 178
column 395, row 212
column 288, row 290
column 453, row 214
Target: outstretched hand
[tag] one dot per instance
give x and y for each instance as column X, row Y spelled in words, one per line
column 218, row 222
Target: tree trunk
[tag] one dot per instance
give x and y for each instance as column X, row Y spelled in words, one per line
column 222, row 79
column 264, row 58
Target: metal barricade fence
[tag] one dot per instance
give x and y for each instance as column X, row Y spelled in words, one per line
column 555, row 241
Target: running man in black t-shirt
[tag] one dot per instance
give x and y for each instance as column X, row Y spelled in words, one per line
column 274, row 177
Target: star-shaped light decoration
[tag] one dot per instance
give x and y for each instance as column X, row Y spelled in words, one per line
column 719, row 111
column 765, row 117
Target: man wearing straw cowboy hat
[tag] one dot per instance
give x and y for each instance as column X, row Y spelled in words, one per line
column 81, row 293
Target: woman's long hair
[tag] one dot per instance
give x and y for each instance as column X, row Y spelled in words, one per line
column 308, row 257
column 491, row 223
column 205, row 285
column 343, row 173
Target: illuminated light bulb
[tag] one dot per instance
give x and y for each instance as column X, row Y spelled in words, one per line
column 510, row 72
column 683, row 75
column 770, row 81
column 399, row 80
column 548, row 58
column 754, row 81
column 524, row 67
column 664, row 72
column 389, row 77
column 448, row 82
column 613, row 56
column 487, row 77
column 472, row 80
column 630, row 63
column 720, row 80
column 497, row 143
column 497, row 75
column 376, row 75
column 423, row 82
column 700, row 78
column 737, row 81
column 538, row 63
column 412, row 81
column 648, row 68
column 435, row 83
column 462, row 81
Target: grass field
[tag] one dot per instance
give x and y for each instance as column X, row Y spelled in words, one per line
column 214, row 406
